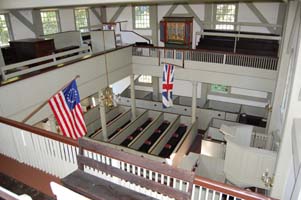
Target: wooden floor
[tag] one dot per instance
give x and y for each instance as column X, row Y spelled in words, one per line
column 28, row 175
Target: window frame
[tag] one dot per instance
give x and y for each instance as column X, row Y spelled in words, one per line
column 134, row 17
column 87, row 17
column 215, row 14
column 141, row 81
column 9, row 28
column 58, row 21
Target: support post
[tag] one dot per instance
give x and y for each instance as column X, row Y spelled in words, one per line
column 156, row 91
column 193, row 104
column 133, row 99
column 103, row 120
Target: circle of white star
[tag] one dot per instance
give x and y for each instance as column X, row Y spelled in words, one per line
column 71, row 96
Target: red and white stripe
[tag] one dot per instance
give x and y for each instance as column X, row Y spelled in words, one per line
column 71, row 122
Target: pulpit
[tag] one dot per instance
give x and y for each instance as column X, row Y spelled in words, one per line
column 176, row 31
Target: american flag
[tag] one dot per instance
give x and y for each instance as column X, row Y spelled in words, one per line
column 167, row 85
column 68, row 112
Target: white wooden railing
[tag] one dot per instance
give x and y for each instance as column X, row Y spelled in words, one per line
column 56, row 155
column 6, row 194
column 260, row 62
column 36, row 64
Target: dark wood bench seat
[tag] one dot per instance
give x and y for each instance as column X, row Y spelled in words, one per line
column 99, row 189
column 152, row 175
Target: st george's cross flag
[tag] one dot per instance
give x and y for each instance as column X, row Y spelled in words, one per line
column 68, row 112
column 167, row 85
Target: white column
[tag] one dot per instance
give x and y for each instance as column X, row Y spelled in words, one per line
column 133, row 99
column 103, row 120
column 156, row 90
column 193, row 104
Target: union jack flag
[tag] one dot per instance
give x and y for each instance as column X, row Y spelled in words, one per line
column 167, row 85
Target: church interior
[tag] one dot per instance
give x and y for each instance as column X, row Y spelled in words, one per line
column 179, row 99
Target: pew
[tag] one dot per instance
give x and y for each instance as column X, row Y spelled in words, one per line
column 83, row 182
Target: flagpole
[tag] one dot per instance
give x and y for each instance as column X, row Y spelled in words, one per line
column 45, row 102
column 172, row 64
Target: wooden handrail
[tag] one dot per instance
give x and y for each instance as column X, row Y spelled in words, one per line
column 202, row 50
column 169, row 170
column 39, row 131
column 55, row 67
column 228, row 189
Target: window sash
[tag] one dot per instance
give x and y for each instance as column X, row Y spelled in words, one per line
column 81, row 16
column 141, row 17
column 50, row 22
column 225, row 13
column 5, row 30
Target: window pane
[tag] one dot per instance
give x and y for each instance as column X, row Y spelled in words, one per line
column 81, row 19
column 50, row 22
column 225, row 13
column 142, row 17
column 4, row 32
column 145, row 79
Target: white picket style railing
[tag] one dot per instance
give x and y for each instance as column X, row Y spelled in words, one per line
column 259, row 62
column 21, row 68
column 56, row 155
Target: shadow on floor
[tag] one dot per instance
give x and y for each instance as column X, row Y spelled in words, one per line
column 20, row 188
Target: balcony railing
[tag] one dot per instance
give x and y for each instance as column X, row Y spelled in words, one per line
column 56, row 155
column 253, row 61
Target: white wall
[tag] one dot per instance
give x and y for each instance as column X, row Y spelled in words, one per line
column 66, row 17
column 268, row 10
column 20, row 31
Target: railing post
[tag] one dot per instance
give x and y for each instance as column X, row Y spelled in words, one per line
column 224, row 60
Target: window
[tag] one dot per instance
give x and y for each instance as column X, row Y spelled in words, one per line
column 4, row 30
column 225, row 13
column 81, row 19
column 50, row 21
column 141, row 17
column 219, row 88
column 145, row 79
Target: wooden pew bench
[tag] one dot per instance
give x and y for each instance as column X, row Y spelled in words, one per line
column 146, row 173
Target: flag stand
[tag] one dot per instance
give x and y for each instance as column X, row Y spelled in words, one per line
column 45, row 102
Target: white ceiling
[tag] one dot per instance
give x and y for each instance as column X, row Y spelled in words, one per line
column 25, row 4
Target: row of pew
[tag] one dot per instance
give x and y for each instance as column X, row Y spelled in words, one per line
column 160, row 136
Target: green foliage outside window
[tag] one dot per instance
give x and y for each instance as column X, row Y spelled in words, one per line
column 4, row 32
column 81, row 19
column 50, row 22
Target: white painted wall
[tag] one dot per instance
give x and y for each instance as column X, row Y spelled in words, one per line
column 20, row 31
column 268, row 10
column 67, row 19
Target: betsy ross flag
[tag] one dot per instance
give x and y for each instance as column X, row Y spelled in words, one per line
column 68, row 112
column 167, row 85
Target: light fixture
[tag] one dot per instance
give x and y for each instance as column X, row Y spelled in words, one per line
column 107, row 95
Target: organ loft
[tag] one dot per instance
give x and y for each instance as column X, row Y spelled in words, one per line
column 195, row 100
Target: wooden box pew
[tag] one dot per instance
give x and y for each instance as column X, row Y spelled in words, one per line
column 93, row 121
column 176, row 141
column 135, row 129
column 118, row 124
column 154, row 133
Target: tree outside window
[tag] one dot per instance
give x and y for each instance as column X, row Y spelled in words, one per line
column 4, row 30
column 50, row 22
column 81, row 19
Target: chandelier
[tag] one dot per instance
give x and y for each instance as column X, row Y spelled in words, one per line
column 107, row 97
